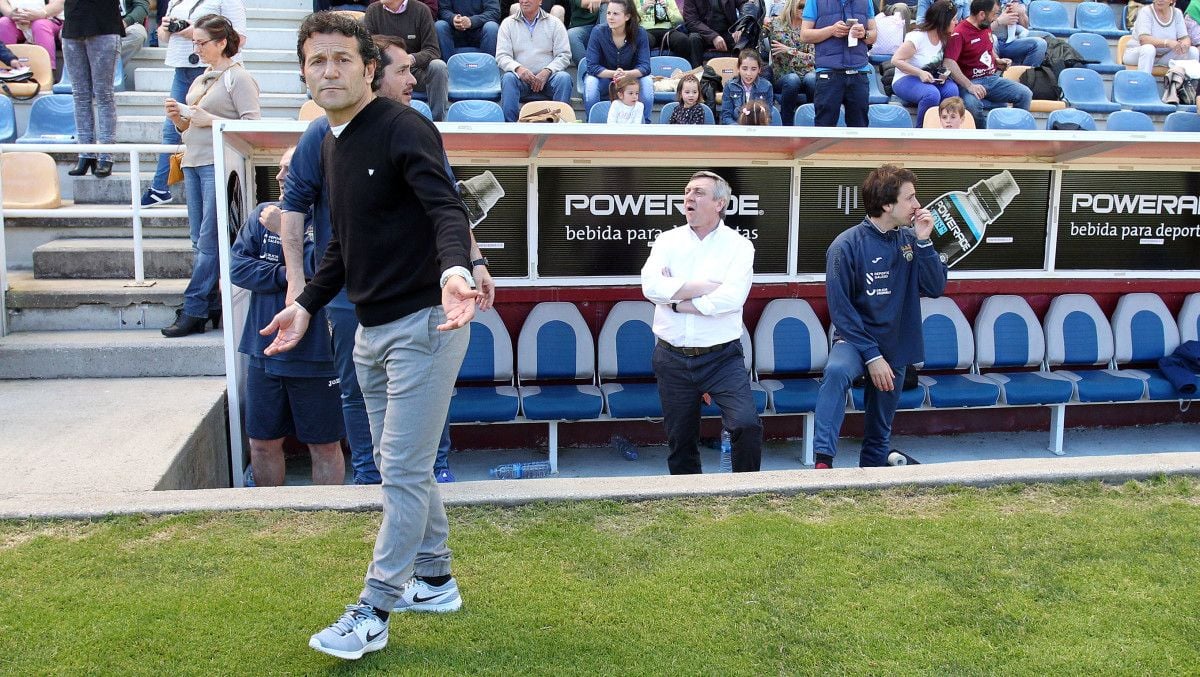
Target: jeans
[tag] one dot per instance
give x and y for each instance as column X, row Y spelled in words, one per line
column 483, row 38
column 722, row 374
column 202, row 293
column 45, row 34
column 595, row 89
column 514, row 92
column 845, row 364
column 1146, row 57
column 442, row 460
column 407, row 370
column 999, row 93
column 343, row 325
column 179, row 87
column 578, row 36
column 835, row 88
column 925, row 94
column 791, row 87
column 434, row 80
column 91, row 62
column 1022, row 51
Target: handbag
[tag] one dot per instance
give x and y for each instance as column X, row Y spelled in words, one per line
column 542, row 115
column 175, row 175
column 29, row 88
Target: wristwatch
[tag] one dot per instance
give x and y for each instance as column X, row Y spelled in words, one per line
column 481, row 261
column 675, row 306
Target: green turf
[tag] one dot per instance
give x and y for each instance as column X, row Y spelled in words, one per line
column 1046, row 580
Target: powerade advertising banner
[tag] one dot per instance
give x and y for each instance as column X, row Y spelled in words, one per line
column 601, row 221
column 1129, row 221
column 497, row 203
column 985, row 219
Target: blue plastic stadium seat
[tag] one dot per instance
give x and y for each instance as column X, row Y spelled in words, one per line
column 580, row 71
column 625, row 351
column 1138, row 91
column 756, row 390
column 599, row 112
column 665, row 66
column 887, row 115
column 1078, row 336
column 1071, row 116
column 949, row 345
column 556, row 345
column 669, row 109
column 1189, row 318
column 422, row 108
column 1143, row 332
column 790, row 345
column 1182, row 122
column 877, row 94
column 473, row 75
column 51, row 120
column 1098, row 18
column 806, row 115
column 8, row 120
column 475, row 111
column 1129, row 121
column 1093, row 47
column 1010, row 118
column 485, row 392
column 1050, row 16
column 1008, row 338
column 1083, row 89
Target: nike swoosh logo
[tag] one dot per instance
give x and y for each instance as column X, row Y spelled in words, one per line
column 371, row 638
column 417, row 599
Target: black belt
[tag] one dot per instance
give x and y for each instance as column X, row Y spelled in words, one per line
column 692, row 352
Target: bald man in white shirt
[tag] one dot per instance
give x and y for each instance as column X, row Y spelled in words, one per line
column 698, row 277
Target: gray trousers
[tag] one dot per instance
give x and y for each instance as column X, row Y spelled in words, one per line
column 406, row 370
column 434, row 80
column 131, row 44
column 92, row 62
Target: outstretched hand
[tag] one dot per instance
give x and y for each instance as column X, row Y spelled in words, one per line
column 458, row 300
column 289, row 326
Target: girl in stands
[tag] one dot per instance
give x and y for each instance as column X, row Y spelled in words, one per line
column 755, row 114
column 689, row 111
column 625, row 108
column 617, row 48
column 746, row 87
column 919, row 77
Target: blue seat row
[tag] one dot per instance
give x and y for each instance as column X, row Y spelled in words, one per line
column 1093, row 17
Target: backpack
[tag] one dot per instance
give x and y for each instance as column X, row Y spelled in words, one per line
column 1178, row 88
column 1061, row 55
column 1043, row 82
column 710, row 84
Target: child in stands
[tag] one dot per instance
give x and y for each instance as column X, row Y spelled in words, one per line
column 746, row 87
column 755, row 114
column 951, row 112
column 689, row 111
column 625, row 109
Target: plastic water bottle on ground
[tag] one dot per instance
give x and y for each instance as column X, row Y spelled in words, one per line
column 624, row 446
column 520, row 471
column 726, row 452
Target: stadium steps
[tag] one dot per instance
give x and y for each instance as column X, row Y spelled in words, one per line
column 114, row 353
column 62, row 305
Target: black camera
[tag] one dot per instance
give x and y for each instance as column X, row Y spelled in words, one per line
column 176, row 25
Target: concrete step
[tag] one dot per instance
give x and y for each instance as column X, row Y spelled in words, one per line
column 114, row 190
column 109, row 354
column 258, row 17
column 255, row 59
column 272, row 105
column 305, row 5
column 272, row 81
column 24, row 234
column 111, row 258
column 58, row 305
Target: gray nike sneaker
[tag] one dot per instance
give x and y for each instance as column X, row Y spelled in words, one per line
column 421, row 596
column 357, row 632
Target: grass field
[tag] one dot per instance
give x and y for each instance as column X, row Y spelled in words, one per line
column 1063, row 579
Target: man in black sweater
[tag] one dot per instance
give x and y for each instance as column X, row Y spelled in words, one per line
column 400, row 246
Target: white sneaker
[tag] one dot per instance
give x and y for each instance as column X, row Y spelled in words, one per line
column 357, row 632
column 421, row 596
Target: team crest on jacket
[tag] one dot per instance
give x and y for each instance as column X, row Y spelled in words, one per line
column 907, row 251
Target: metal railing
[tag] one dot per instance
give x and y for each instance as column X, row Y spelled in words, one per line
column 134, row 210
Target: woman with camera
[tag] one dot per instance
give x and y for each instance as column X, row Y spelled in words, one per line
column 919, row 77
column 175, row 32
column 224, row 91
column 91, row 37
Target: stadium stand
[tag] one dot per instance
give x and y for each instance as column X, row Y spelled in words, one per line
column 1128, row 121
column 1094, row 48
column 599, row 112
column 1071, row 116
column 1050, row 16
column 1182, row 122
column 1138, row 91
column 665, row 66
column 474, row 111
column 1084, row 89
column 473, row 75
column 1097, row 18
column 30, row 181
column 1010, row 118
column 51, row 120
column 887, row 115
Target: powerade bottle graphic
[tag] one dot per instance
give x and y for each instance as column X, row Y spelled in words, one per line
column 959, row 219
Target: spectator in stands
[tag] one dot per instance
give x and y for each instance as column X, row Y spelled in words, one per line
column 556, row 8
column 624, row 108
column 748, row 86
column 342, row 5
column 962, row 8
column 618, row 48
column 293, row 393
column 7, row 58
column 91, row 35
column 468, row 23
column 1011, row 32
column 792, row 59
column 698, row 276
column 755, row 114
column 690, row 110
column 183, row 58
column 414, row 23
column 1191, row 19
column 1159, row 35
column 396, row 278
column 533, row 53
column 842, row 32
column 225, row 91
column 974, row 65
column 585, row 15
column 708, row 24
column 951, row 112
column 133, row 15
column 875, row 275
column 37, row 22
column 920, row 77
column 659, row 17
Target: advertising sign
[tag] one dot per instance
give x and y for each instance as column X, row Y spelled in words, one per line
column 985, row 219
column 601, row 221
column 497, row 201
column 1129, row 221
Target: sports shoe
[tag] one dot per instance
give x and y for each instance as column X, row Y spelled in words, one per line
column 823, row 462
column 357, row 632
column 444, row 476
column 156, row 197
column 421, row 596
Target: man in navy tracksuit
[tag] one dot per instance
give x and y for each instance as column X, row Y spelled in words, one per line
column 875, row 275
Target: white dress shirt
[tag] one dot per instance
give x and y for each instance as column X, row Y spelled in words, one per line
column 677, row 257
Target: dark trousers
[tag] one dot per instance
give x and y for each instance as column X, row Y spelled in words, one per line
column 835, row 88
column 676, row 42
column 696, row 48
column 722, row 374
column 845, row 364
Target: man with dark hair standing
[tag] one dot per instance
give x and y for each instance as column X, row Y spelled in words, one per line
column 875, row 275
column 698, row 277
column 400, row 246
column 974, row 64
column 841, row 31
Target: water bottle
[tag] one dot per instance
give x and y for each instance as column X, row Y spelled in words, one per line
column 960, row 219
column 624, row 446
column 726, row 452
column 519, row 471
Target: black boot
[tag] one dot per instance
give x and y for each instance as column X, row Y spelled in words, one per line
column 214, row 316
column 184, row 326
column 103, row 169
column 84, row 165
